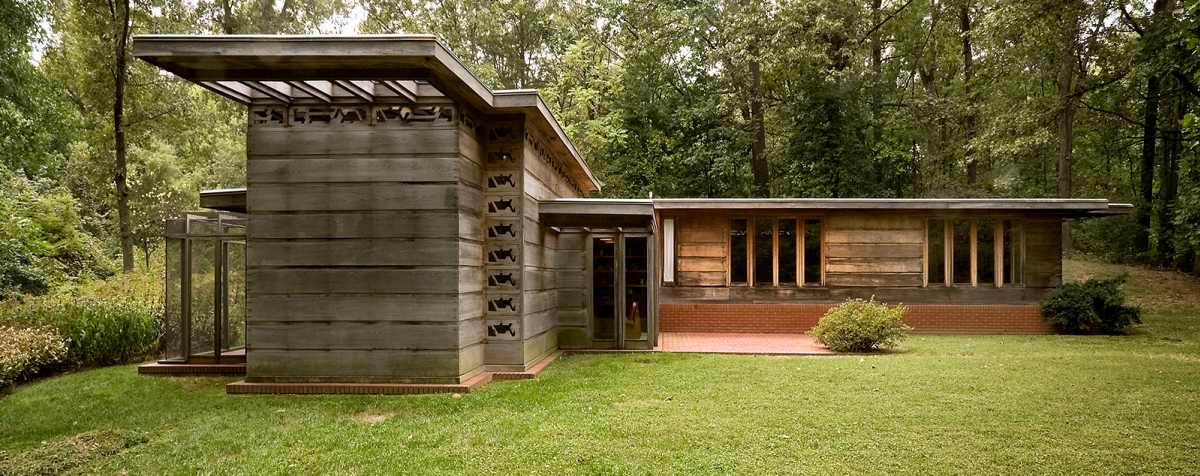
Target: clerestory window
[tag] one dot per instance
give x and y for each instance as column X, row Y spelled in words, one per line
column 775, row 251
column 973, row 252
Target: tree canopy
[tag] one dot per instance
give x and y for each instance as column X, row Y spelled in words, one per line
column 680, row 98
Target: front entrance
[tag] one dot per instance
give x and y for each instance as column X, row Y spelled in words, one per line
column 623, row 300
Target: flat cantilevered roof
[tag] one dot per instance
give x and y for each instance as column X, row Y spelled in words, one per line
column 1068, row 207
column 248, row 68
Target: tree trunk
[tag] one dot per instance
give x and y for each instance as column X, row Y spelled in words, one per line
column 1065, row 121
column 1146, row 180
column 124, row 221
column 227, row 20
column 762, row 178
column 1151, row 46
column 964, row 16
column 1168, row 179
column 877, row 94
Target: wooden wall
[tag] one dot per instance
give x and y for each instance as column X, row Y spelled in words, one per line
column 504, row 253
column 866, row 254
column 874, row 249
column 363, row 253
column 702, row 245
column 519, row 172
column 572, row 279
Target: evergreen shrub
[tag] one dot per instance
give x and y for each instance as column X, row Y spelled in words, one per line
column 1078, row 306
column 861, row 326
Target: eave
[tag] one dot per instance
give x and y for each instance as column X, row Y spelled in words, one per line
column 282, row 69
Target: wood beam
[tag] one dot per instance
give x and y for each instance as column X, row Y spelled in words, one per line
column 232, row 90
column 322, row 90
column 404, row 89
column 364, row 90
column 273, row 89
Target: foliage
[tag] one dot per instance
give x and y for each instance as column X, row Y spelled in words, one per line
column 25, row 351
column 114, row 321
column 861, row 326
column 42, row 245
column 1080, row 306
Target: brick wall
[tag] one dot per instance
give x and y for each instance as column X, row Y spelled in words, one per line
column 785, row 318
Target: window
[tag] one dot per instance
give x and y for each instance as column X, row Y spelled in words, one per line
column 775, row 251
column 973, row 252
column 669, row 250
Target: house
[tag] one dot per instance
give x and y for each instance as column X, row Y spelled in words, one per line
column 403, row 224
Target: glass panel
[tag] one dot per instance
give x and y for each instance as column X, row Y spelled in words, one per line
column 1012, row 252
column 636, row 313
column 235, row 332
column 173, row 304
column 737, row 251
column 202, row 296
column 962, row 252
column 764, row 252
column 604, row 288
column 937, row 252
column 985, row 251
column 787, row 251
column 812, row 252
column 668, row 250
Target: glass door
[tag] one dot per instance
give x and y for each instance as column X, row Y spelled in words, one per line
column 637, row 316
column 604, row 293
column 622, row 292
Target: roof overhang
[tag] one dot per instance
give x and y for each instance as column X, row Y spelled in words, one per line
column 596, row 213
column 282, row 69
column 1065, row 207
column 229, row 199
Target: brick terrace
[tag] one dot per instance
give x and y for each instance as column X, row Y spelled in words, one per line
column 739, row 343
column 798, row 318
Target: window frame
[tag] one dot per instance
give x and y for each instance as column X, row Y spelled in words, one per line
column 998, row 250
column 751, row 231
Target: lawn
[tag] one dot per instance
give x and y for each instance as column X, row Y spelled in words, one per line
column 942, row 405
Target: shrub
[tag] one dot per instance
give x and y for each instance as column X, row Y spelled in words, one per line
column 25, row 351
column 860, row 326
column 1077, row 307
column 102, row 331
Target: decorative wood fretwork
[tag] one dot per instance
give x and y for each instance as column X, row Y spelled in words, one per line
column 333, row 115
column 413, row 114
column 540, row 149
column 503, row 240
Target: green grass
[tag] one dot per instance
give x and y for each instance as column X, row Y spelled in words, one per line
column 941, row 405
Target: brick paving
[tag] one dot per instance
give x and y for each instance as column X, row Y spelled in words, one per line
column 739, row 343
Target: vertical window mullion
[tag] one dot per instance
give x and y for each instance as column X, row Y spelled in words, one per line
column 775, row 251
column 949, row 239
column 974, row 252
column 998, row 252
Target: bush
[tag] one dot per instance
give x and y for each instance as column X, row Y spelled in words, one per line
column 1077, row 307
column 25, row 351
column 102, row 331
column 860, row 326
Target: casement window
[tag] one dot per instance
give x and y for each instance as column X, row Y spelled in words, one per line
column 775, row 251
column 973, row 252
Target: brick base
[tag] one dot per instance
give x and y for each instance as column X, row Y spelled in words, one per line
column 797, row 318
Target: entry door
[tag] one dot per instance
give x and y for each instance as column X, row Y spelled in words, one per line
column 623, row 316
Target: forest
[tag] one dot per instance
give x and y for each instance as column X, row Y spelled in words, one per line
column 676, row 98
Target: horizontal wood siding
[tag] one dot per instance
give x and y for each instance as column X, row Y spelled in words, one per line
column 702, row 244
column 1043, row 253
column 570, row 275
column 874, row 250
column 363, row 254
